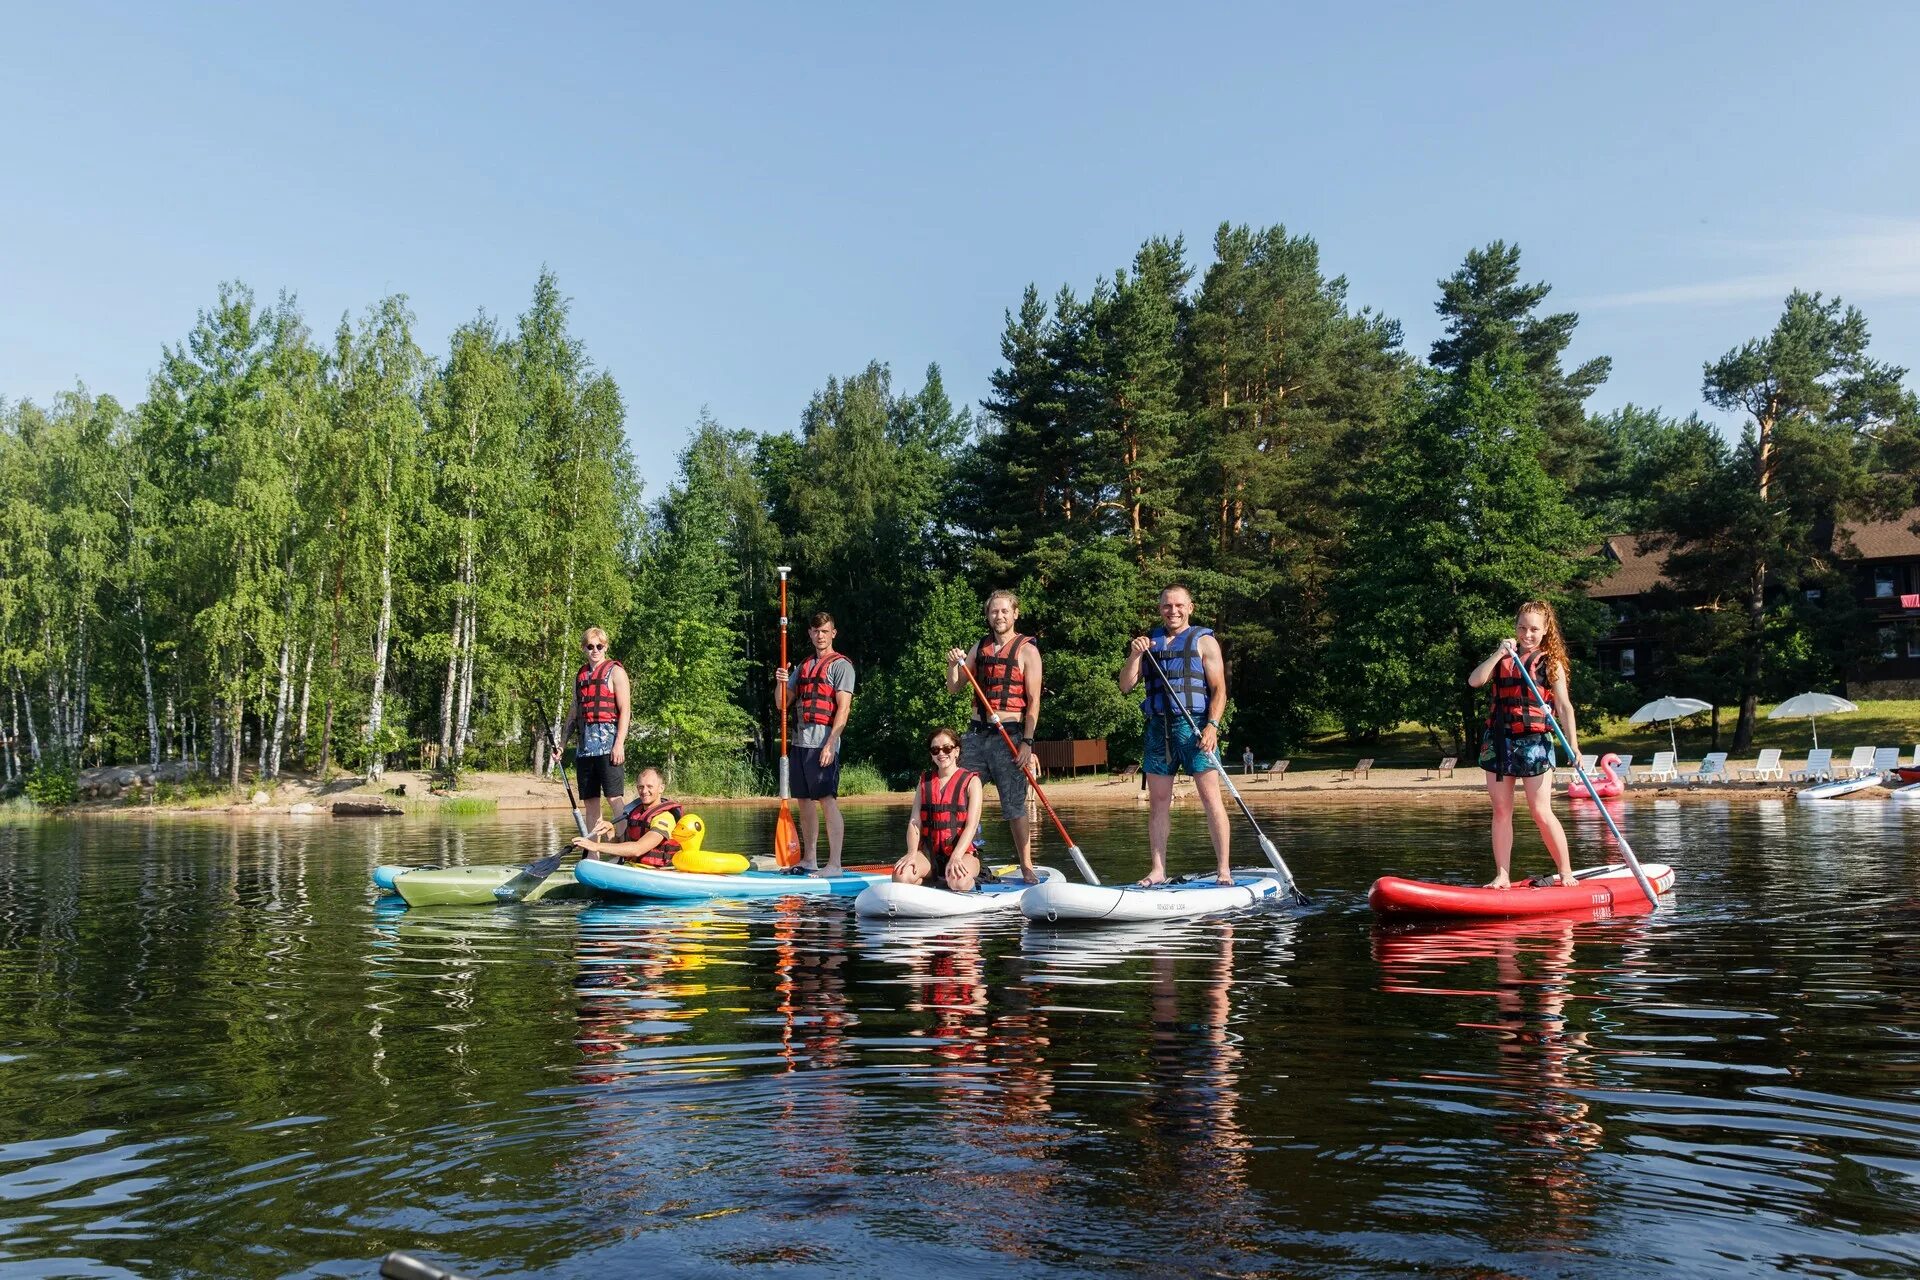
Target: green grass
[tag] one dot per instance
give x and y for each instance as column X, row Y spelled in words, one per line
column 730, row 776
column 1885, row 723
column 858, row 778
column 468, row 806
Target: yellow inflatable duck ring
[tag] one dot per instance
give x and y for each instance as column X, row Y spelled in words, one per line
column 688, row 833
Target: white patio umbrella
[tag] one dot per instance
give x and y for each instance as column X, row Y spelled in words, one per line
column 1811, row 705
column 1669, row 709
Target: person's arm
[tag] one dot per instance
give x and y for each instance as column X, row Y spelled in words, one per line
column 972, row 829
column 842, row 703
column 913, row 829
column 1484, row 672
column 956, row 659
column 573, row 718
column 1030, row 670
column 1563, row 711
column 622, row 700
column 1215, row 668
column 1130, row 670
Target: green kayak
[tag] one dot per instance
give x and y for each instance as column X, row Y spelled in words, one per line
column 469, row 886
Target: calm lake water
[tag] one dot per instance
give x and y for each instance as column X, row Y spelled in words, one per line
column 219, row 1055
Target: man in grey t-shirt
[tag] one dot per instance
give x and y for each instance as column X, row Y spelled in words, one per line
column 821, row 690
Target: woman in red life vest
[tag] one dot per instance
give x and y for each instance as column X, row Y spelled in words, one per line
column 602, row 707
column 946, row 817
column 1006, row 665
column 643, row 831
column 1517, row 741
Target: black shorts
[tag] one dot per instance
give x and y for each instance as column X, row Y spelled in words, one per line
column 810, row 780
column 600, row 776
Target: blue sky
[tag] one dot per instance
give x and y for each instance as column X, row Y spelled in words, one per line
column 742, row 200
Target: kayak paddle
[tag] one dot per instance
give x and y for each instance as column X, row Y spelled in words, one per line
column 1633, row 863
column 1073, row 850
column 1266, row 845
column 535, row 874
column 786, row 837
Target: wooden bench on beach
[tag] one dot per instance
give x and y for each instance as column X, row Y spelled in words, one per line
column 1442, row 770
column 1275, row 772
column 1356, row 773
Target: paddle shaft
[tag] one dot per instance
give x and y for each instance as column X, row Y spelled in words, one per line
column 1073, row 850
column 1553, row 721
column 573, row 804
column 1266, row 845
column 780, row 703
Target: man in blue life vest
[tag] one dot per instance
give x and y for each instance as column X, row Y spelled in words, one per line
column 821, row 688
column 602, row 707
column 1191, row 676
column 1006, row 665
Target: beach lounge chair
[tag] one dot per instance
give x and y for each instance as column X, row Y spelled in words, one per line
column 1356, row 773
column 1662, row 769
column 1123, row 774
column 1767, row 766
column 1442, row 770
column 1626, row 766
column 1860, row 764
column 1590, row 763
column 1819, row 765
column 1275, row 772
column 1712, row 769
column 1885, row 760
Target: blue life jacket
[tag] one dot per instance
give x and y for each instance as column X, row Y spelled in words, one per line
column 1186, row 674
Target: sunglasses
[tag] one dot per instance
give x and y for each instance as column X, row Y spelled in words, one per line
column 596, row 648
column 944, row 749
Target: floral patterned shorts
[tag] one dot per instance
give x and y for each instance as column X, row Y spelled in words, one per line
column 1526, row 755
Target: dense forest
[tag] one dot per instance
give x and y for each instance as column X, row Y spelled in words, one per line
column 319, row 554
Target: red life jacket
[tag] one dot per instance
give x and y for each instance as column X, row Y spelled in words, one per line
column 638, row 821
column 1514, row 710
column 998, row 672
column 817, row 702
column 595, row 691
column 943, row 813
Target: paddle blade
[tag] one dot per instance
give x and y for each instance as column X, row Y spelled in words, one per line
column 1280, row 865
column 1080, row 862
column 535, row 874
column 786, row 838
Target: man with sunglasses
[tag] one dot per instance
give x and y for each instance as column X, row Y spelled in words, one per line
column 602, row 706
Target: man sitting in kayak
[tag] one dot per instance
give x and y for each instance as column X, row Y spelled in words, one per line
column 645, row 827
column 940, row 833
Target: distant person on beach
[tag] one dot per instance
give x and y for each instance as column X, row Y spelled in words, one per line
column 602, row 707
column 644, row 829
column 1187, row 689
column 822, row 687
column 1006, row 665
column 1517, row 741
column 946, row 817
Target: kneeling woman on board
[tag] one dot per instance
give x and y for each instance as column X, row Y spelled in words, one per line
column 1517, row 741
column 645, row 827
column 945, row 820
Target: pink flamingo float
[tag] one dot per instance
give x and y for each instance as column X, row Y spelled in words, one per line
column 1610, row 785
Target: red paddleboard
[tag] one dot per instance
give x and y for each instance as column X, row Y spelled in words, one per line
column 1612, row 887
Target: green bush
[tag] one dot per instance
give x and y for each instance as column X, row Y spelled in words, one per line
column 724, row 775
column 858, row 778
column 53, row 785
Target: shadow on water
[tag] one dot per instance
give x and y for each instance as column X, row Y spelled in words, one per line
column 223, row 1056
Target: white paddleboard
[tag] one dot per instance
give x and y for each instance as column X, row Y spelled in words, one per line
column 925, row 902
column 1069, row 900
column 1834, row 790
column 1909, row 792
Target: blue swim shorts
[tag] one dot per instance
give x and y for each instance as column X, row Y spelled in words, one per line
column 1172, row 745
